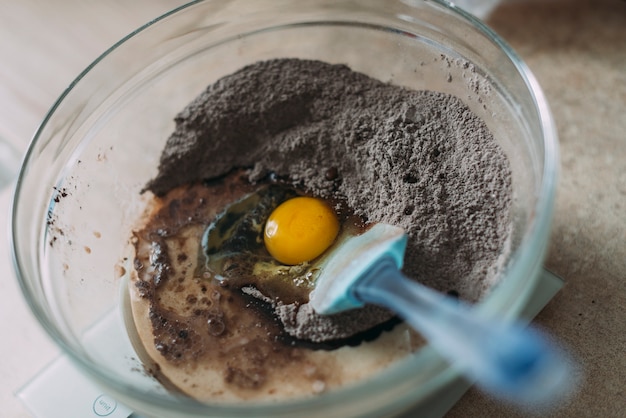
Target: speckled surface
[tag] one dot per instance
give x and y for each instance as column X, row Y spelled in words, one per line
column 577, row 51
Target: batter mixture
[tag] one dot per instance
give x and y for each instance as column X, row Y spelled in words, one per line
column 376, row 153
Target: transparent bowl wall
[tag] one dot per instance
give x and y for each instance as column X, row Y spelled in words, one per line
column 78, row 195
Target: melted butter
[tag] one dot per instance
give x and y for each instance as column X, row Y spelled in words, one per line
column 208, row 339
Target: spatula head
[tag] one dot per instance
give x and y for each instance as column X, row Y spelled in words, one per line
column 350, row 262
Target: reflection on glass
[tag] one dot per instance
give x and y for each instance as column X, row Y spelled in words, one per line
column 9, row 163
column 479, row 8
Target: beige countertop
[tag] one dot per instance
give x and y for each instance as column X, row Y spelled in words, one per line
column 576, row 49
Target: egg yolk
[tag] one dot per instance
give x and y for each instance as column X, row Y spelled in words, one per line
column 300, row 229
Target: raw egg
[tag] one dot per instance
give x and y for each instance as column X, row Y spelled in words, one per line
column 275, row 240
column 300, row 229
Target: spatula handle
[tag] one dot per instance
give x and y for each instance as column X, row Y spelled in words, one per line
column 507, row 359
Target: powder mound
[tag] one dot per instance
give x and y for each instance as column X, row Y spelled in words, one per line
column 301, row 321
column 421, row 160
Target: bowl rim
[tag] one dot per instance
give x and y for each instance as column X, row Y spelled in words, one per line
column 544, row 206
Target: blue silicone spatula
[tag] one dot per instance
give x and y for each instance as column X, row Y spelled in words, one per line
column 507, row 359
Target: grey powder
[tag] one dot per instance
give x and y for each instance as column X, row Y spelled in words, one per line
column 418, row 159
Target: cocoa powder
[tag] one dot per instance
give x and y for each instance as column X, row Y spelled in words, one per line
column 418, row 159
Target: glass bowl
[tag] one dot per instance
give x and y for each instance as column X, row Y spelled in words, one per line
column 78, row 194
